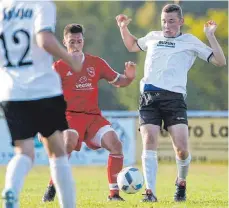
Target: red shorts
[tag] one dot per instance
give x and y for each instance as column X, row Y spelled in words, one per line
column 87, row 125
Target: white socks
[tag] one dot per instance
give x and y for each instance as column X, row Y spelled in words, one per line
column 17, row 169
column 182, row 167
column 149, row 166
column 63, row 181
column 20, row 165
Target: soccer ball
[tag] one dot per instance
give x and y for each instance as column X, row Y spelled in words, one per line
column 130, row 180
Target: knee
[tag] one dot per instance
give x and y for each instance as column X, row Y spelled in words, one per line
column 25, row 147
column 111, row 143
column 69, row 146
column 181, row 150
column 70, row 140
column 182, row 154
column 149, row 138
column 27, row 152
column 31, row 155
column 117, row 148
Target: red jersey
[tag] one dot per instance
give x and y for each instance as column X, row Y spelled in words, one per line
column 81, row 89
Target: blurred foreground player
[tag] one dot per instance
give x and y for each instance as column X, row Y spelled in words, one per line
column 31, row 95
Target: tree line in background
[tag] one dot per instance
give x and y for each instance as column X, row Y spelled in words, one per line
column 207, row 85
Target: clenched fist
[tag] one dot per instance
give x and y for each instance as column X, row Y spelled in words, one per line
column 210, row 28
column 123, row 20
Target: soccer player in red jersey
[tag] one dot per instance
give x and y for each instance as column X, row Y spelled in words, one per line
column 83, row 113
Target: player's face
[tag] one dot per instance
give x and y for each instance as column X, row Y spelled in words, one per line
column 74, row 43
column 171, row 24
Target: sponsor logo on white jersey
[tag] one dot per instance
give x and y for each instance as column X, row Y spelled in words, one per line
column 166, row 44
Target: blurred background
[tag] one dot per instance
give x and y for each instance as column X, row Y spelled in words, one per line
column 207, row 85
column 207, row 102
column 207, row 88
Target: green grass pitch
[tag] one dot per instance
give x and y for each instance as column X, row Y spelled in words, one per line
column 207, row 186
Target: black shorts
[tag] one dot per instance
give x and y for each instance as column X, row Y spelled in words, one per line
column 166, row 106
column 26, row 118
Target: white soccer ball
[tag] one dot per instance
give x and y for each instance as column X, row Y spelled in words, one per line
column 130, row 180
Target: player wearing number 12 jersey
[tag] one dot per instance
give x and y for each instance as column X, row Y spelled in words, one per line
column 83, row 113
column 31, row 95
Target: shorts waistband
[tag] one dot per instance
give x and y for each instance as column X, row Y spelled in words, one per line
column 163, row 92
column 150, row 87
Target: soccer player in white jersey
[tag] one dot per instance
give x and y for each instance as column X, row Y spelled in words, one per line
column 170, row 55
column 31, row 95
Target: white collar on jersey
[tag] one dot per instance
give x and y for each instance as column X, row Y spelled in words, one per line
column 83, row 58
column 175, row 36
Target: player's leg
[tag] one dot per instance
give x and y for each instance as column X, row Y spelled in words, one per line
column 149, row 134
column 150, row 122
column 51, row 124
column 60, row 169
column 71, row 138
column 179, row 135
column 17, row 169
column 110, row 142
column 22, row 131
column 103, row 135
column 70, row 141
column 175, row 119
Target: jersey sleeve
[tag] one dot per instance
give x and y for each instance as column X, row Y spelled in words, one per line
column 142, row 42
column 107, row 72
column 45, row 19
column 203, row 51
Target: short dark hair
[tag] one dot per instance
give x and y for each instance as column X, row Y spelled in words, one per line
column 73, row 28
column 173, row 8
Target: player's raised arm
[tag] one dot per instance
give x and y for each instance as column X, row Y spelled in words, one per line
column 218, row 58
column 44, row 28
column 129, row 40
column 48, row 42
column 129, row 75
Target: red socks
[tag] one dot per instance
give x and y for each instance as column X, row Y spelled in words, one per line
column 114, row 166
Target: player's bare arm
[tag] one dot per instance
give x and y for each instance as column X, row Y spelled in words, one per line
column 129, row 40
column 48, row 42
column 128, row 76
column 218, row 58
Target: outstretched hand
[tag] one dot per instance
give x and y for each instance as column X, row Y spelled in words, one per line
column 130, row 71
